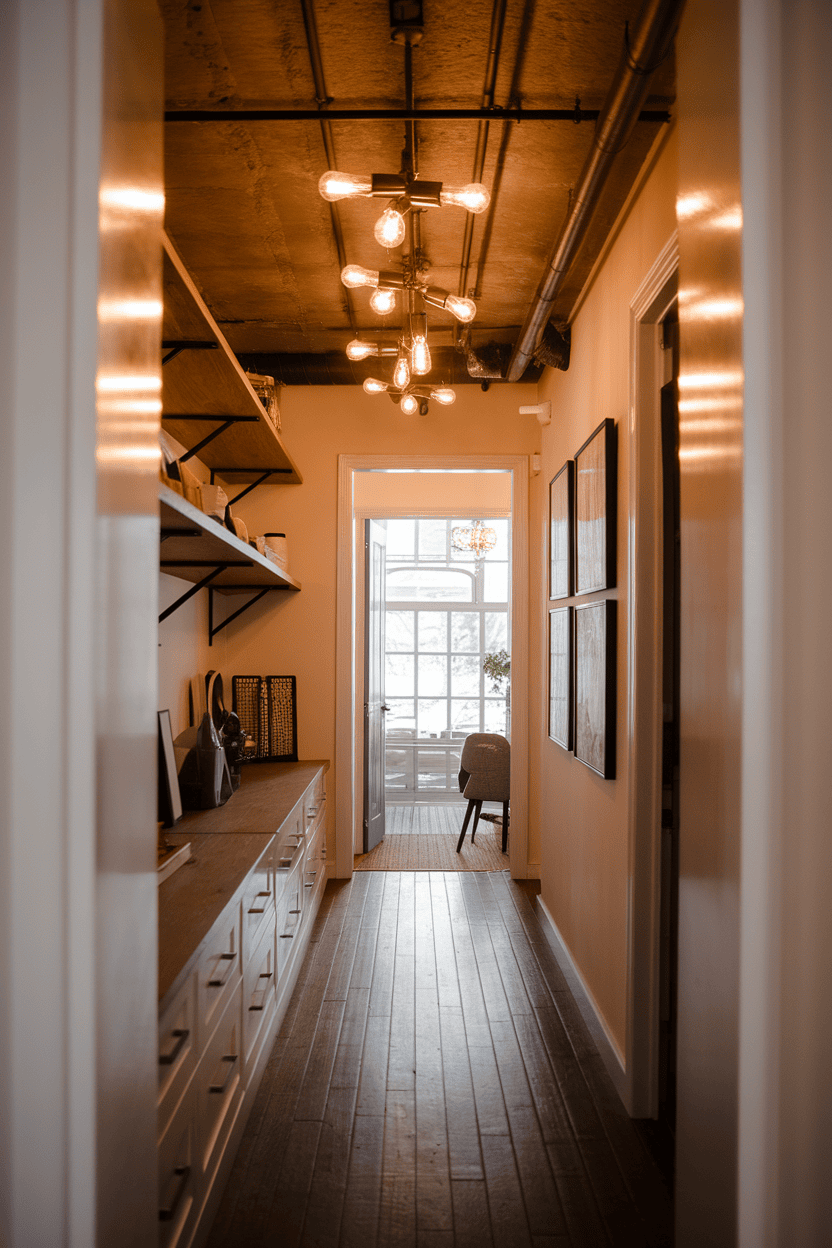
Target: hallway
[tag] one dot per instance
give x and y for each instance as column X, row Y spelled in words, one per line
column 433, row 1085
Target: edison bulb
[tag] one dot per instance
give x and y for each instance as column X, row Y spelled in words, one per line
column 389, row 229
column 360, row 350
column 373, row 386
column 474, row 197
column 409, row 404
column 420, row 355
column 334, row 186
column 383, row 301
column 401, row 373
column 444, row 395
column 354, row 276
column 463, row 309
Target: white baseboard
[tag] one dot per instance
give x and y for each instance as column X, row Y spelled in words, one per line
column 607, row 1046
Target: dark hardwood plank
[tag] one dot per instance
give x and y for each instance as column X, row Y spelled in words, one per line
column 283, row 1222
column 434, row 1239
column 546, row 1097
column 433, row 1180
column 311, row 1102
column 464, row 1158
column 509, row 1227
column 381, row 992
column 401, row 1066
column 372, row 1082
column 423, row 948
column 447, row 983
column 577, row 1098
column 359, row 1221
column 347, row 1068
column 615, row 1204
column 496, row 1001
column 540, row 1194
column 397, row 1207
column 472, row 1225
column 322, row 1224
column 488, row 1092
column 584, row 1222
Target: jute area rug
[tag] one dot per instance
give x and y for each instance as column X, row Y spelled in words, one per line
column 431, row 845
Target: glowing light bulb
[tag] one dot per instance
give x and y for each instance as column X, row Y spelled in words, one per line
column 444, row 395
column 401, row 373
column 383, row 301
column 463, row 309
column 420, row 355
column 474, row 197
column 409, row 404
column 373, row 386
column 334, row 186
column 360, row 350
column 389, row 229
column 354, row 276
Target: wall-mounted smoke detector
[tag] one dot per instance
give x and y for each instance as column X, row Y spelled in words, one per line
column 543, row 412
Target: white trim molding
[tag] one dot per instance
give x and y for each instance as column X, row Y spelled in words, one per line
column 346, row 666
column 644, row 679
column 605, row 1042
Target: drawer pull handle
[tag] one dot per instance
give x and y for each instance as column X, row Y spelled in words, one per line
column 286, row 935
column 220, row 983
column 294, row 911
column 181, row 1035
column 260, row 909
column 308, row 886
column 260, row 992
column 311, row 872
column 183, row 1173
column 230, row 1058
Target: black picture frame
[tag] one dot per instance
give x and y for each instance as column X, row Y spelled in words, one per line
column 595, row 510
column 170, row 799
column 562, row 531
column 561, row 649
column 595, row 657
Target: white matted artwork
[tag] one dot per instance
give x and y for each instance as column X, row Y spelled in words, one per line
column 595, row 504
column 595, row 686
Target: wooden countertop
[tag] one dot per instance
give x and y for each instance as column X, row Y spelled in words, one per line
column 225, row 843
column 267, row 795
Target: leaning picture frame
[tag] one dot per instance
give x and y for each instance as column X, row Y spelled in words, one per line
column 595, row 655
column 169, row 799
column 561, row 531
column 561, row 719
column 595, row 511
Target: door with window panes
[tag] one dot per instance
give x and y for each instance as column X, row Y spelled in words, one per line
column 445, row 612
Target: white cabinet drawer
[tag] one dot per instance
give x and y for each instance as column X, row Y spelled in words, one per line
column 257, row 907
column 289, row 914
column 218, row 1084
column 219, row 971
column 259, row 997
column 180, row 1176
column 178, row 1050
column 313, row 801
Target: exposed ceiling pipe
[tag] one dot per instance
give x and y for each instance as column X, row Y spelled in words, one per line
column 495, row 38
column 332, row 368
column 322, row 100
column 645, row 47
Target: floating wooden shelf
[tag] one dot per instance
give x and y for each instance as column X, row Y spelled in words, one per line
column 193, row 543
column 212, row 383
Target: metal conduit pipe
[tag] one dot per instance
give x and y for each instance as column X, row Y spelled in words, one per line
column 322, row 100
column 645, row 48
column 332, row 368
column 495, row 38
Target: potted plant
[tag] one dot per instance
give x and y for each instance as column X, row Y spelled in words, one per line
column 497, row 667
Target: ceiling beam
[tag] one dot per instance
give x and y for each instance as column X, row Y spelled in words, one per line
column 496, row 113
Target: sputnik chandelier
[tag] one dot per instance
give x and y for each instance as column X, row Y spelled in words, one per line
column 408, row 197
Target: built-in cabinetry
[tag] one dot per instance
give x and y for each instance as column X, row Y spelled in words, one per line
column 208, row 405
column 234, row 925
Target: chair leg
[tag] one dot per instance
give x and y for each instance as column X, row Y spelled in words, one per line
column 465, row 823
column 505, row 826
column 477, row 809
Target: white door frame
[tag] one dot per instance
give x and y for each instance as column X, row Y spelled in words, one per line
column 348, row 675
column 638, row 1084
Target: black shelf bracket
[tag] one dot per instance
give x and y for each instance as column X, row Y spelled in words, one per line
column 253, row 486
column 174, row 346
column 164, row 534
column 228, row 422
column 214, row 629
column 217, row 568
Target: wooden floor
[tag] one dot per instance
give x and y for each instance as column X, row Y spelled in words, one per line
column 433, row 1084
column 435, row 819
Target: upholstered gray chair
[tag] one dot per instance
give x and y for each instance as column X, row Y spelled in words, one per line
column 484, row 777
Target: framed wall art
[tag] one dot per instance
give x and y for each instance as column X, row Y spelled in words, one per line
column 560, row 676
column 561, row 530
column 595, row 504
column 595, row 686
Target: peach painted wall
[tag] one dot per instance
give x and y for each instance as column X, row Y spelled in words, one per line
column 294, row 633
column 581, row 819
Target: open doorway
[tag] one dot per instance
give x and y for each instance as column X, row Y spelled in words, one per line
column 442, row 610
column 445, row 638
